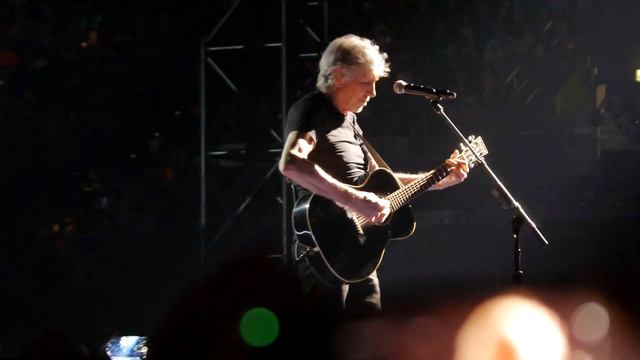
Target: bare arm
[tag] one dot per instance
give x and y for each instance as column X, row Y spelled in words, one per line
column 294, row 164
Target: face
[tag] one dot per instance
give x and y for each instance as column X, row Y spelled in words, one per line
column 353, row 91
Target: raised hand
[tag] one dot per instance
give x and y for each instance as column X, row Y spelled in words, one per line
column 459, row 168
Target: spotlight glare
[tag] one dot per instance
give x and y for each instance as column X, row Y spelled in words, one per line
column 259, row 327
column 590, row 323
column 514, row 327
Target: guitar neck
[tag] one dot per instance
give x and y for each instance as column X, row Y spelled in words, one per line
column 404, row 195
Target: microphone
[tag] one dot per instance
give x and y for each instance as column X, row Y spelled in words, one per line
column 402, row 87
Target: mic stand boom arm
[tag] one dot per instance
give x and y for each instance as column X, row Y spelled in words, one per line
column 502, row 191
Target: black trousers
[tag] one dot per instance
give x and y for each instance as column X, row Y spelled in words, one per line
column 336, row 301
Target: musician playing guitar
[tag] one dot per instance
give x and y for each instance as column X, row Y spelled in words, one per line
column 325, row 154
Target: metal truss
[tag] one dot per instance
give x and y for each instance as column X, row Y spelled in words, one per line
column 294, row 16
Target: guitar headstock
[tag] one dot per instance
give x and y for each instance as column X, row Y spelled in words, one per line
column 478, row 146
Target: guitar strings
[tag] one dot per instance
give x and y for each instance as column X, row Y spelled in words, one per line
column 405, row 193
column 409, row 190
column 400, row 196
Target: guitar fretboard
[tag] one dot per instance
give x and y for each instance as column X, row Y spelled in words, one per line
column 402, row 196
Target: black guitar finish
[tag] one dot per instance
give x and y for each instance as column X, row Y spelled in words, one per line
column 346, row 250
column 344, row 254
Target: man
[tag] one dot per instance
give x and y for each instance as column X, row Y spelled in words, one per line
column 325, row 153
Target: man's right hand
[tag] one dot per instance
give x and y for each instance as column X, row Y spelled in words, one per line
column 295, row 166
column 370, row 205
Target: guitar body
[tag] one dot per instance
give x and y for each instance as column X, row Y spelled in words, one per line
column 345, row 250
column 342, row 251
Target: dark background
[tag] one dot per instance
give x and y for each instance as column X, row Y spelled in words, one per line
column 99, row 110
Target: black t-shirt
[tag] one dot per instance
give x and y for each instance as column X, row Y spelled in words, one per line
column 339, row 149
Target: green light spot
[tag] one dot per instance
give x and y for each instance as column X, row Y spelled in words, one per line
column 259, row 327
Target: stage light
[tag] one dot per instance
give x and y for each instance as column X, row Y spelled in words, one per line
column 259, row 327
column 637, row 75
column 590, row 323
column 511, row 327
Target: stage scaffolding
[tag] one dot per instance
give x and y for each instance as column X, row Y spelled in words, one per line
column 302, row 34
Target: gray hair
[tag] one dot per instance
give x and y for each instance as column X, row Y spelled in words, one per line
column 350, row 51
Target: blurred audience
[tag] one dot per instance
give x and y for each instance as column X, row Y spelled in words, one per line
column 206, row 322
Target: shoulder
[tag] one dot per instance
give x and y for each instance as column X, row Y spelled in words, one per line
column 309, row 102
column 308, row 112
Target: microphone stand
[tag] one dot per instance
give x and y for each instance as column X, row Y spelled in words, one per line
column 503, row 194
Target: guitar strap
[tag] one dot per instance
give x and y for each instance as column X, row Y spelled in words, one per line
column 375, row 155
column 367, row 145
